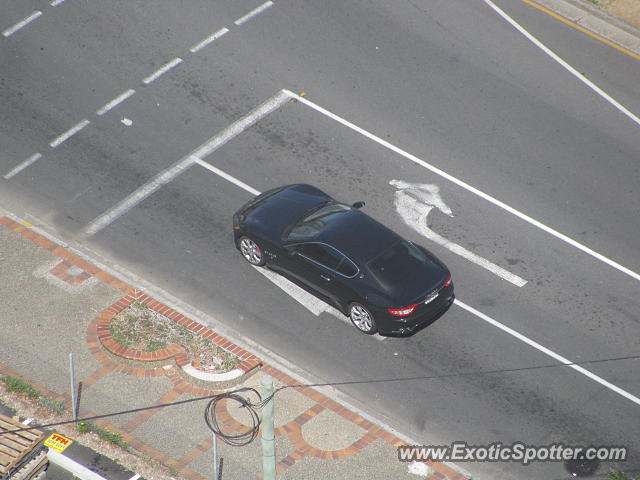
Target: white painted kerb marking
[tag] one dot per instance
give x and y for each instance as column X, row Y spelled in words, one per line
column 414, row 201
column 253, row 13
column 116, row 101
column 29, row 161
column 78, row 470
column 548, row 352
column 69, row 133
column 11, row 30
column 162, row 70
column 184, row 163
column 467, row 187
column 208, row 40
column 568, row 67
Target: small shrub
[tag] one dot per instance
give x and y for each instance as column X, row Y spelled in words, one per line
column 52, row 404
column 18, row 385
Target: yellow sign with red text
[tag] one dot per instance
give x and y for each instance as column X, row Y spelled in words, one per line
column 58, row 442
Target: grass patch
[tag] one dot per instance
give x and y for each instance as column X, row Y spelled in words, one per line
column 52, row 404
column 18, row 385
column 103, row 433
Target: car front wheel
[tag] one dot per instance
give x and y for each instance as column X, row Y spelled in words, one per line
column 251, row 252
column 362, row 319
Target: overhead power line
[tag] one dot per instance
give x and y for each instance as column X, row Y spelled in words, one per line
column 235, row 395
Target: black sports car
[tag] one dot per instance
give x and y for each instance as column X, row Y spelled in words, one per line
column 383, row 282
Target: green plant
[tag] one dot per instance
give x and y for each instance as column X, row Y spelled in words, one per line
column 52, row 404
column 619, row 476
column 18, row 385
column 154, row 345
column 85, row 427
column 119, row 336
column 139, row 305
column 103, row 433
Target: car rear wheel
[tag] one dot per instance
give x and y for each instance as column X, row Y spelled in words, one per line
column 362, row 319
column 251, row 252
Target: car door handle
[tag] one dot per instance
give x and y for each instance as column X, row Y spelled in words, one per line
column 328, row 279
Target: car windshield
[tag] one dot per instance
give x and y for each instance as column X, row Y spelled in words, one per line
column 313, row 223
column 393, row 265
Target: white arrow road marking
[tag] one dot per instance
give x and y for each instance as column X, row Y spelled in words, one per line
column 304, row 298
column 414, row 201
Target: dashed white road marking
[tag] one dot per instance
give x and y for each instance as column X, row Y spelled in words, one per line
column 468, row 187
column 18, row 168
column 55, row 3
column 13, row 29
column 253, row 12
column 162, row 70
column 211, row 38
column 414, row 201
column 69, row 133
column 548, row 352
column 568, row 67
column 115, row 102
column 184, row 163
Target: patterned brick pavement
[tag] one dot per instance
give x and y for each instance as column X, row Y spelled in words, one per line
column 113, row 357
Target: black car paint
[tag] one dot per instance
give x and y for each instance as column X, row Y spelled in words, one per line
column 267, row 218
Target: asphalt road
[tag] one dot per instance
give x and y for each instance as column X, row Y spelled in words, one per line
column 450, row 82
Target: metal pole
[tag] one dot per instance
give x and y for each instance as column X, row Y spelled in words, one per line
column 74, row 398
column 268, row 436
column 215, row 457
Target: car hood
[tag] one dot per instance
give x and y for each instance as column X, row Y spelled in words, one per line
column 271, row 213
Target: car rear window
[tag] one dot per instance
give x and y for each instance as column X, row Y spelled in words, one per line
column 391, row 266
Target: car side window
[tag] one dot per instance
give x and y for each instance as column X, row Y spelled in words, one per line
column 347, row 268
column 321, row 254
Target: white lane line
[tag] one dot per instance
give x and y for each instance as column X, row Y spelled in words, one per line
column 548, row 352
column 253, row 12
column 226, row 176
column 69, row 133
column 568, row 67
column 55, row 3
column 115, row 102
column 162, row 70
column 11, row 30
column 29, row 161
column 195, row 156
column 467, row 187
column 211, row 38
column 137, row 196
column 22, row 23
column 135, row 477
column 241, row 125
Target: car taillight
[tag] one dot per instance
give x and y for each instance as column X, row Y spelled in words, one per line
column 403, row 311
column 447, row 282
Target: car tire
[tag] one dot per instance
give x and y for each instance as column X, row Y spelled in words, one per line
column 251, row 252
column 362, row 318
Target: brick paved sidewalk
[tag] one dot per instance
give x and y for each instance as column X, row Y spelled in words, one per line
column 64, row 303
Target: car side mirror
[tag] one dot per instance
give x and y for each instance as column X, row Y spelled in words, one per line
column 358, row 205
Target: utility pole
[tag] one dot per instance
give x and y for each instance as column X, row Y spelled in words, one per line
column 268, row 434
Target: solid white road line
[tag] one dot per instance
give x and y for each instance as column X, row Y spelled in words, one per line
column 162, row 70
column 116, row 101
column 196, row 156
column 11, row 30
column 572, row 70
column 299, row 294
column 137, row 196
column 78, row 470
column 211, row 38
column 548, row 352
column 226, row 176
column 32, row 159
column 135, row 477
column 69, row 133
column 253, row 13
column 467, row 187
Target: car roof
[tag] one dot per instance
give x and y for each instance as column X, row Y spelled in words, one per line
column 357, row 235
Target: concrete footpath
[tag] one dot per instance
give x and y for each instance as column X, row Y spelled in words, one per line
column 55, row 302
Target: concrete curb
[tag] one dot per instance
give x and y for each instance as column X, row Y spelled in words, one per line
column 596, row 21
